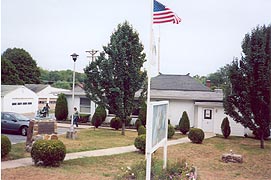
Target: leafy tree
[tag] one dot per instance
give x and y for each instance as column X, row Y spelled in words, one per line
column 248, row 102
column 61, row 110
column 54, row 76
column 220, row 78
column 184, row 123
column 201, row 79
column 61, row 79
column 9, row 74
column 24, row 64
column 44, row 75
column 225, row 127
column 114, row 78
column 62, row 84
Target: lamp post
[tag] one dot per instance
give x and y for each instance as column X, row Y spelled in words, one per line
column 74, row 58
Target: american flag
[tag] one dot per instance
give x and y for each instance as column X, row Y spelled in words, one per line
column 162, row 14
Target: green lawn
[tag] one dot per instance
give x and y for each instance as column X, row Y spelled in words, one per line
column 87, row 140
column 206, row 157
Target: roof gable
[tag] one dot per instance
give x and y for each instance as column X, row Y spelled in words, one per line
column 176, row 83
column 5, row 89
column 36, row 87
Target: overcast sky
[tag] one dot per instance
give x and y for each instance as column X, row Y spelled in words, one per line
column 208, row 37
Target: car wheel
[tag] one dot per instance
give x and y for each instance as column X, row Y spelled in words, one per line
column 23, row 131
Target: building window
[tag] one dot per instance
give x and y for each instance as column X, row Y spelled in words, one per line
column 13, row 104
column 85, row 105
column 24, row 103
column 29, row 103
column 207, row 114
column 19, row 103
column 42, row 102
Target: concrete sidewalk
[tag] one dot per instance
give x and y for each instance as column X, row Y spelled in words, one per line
column 101, row 152
column 65, row 125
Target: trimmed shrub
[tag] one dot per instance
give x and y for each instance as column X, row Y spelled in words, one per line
column 128, row 121
column 225, row 127
column 140, row 142
column 98, row 117
column 196, row 135
column 177, row 127
column 115, row 123
column 184, row 123
column 48, row 152
column 138, row 123
column 61, row 110
column 141, row 130
column 83, row 118
column 170, row 131
column 5, row 145
column 143, row 113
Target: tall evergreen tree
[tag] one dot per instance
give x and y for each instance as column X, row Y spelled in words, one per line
column 248, row 102
column 114, row 78
column 225, row 127
column 61, row 110
column 26, row 67
column 184, row 123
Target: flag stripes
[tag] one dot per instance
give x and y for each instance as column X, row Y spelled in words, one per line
column 163, row 14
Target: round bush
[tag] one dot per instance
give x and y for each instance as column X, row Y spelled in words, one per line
column 140, row 142
column 5, row 145
column 48, row 152
column 171, row 131
column 141, row 130
column 196, row 135
column 138, row 123
column 115, row 123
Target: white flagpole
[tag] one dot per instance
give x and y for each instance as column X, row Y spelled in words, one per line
column 148, row 138
column 159, row 52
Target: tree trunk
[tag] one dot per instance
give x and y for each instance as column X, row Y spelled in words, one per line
column 262, row 140
column 123, row 128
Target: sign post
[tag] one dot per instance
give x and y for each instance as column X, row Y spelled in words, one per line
column 157, row 130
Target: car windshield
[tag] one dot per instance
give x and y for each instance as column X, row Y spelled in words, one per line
column 20, row 117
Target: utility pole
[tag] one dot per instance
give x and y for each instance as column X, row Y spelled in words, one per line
column 92, row 53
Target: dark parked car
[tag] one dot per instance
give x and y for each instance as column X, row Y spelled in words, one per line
column 15, row 122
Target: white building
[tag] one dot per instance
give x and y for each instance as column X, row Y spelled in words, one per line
column 46, row 94
column 203, row 106
column 19, row 99
column 81, row 102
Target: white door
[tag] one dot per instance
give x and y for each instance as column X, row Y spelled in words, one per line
column 207, row 119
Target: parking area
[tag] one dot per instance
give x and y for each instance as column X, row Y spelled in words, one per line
column 17, row 138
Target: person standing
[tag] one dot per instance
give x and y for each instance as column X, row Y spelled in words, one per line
column 46, row 110
column 75, row 117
